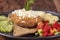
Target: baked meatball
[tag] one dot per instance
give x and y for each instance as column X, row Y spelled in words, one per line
column 25, row 22
column 29, row 22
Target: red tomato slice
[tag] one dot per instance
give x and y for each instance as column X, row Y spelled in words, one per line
column 40, row 25
column 47, row 27
column 56, row 25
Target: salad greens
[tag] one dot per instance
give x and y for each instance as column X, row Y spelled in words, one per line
column 5, row 24
column 27, row 5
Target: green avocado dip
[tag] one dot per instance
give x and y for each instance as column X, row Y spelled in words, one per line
column 5, row 24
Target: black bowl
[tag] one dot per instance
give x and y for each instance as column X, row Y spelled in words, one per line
column 30, row 36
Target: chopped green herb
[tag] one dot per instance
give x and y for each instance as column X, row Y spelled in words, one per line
column 27, row 5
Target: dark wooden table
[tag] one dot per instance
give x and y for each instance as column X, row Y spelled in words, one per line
column 7, row 5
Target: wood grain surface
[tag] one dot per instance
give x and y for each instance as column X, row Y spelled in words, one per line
column 52, row 5
column 6, row 5
column 57, row 4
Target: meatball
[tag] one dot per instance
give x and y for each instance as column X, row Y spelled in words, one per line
column 29, row 22
column 25, row 22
